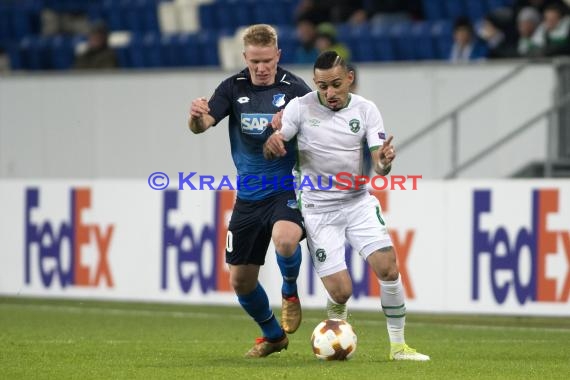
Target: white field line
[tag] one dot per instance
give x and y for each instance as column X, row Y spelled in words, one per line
column 201, row 315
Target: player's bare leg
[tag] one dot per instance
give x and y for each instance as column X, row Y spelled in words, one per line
column 384, row 265
column 253, row 299
column 339, row 288
column 286, row 236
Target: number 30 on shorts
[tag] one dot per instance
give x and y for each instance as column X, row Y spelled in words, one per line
column 229, row 241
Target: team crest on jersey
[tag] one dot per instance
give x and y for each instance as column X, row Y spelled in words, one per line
column 279, row 100
column 321, row 255
column 354, row 125
column 292, row 203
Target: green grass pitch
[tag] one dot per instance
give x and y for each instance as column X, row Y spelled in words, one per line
column 64, row 339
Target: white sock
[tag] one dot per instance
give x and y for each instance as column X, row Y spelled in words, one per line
column 336, row 310
column 393, row 305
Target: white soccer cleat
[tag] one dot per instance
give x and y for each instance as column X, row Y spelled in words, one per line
column 401, row 351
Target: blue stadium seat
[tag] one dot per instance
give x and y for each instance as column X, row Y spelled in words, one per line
column 476, row 9
column 496, row 4
column 361, row 45
column 20, row 22
column 433, row 9
column 208, row 48
column 423, row 41
column 242, row 13
column 130, row 17
column 34, row 53
column 170, row 52
column 207, row 14
column 95, row 12
column 123, row 58
column 5, row 32
column 68, row 5
column 136, row 57
column 442, row 32
column 113, row 15
column 225, row 15
column 152, row 52
column 62, row 53
column 188, row 45
column 402, row 41
column 288, row 43
column 149, row 14
column 267, row 13
column 139, row 16
column 382, row 43
column 454, row 9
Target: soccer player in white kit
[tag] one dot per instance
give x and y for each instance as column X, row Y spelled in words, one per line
column 331, row 125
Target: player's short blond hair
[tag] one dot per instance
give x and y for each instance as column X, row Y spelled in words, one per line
column 260, row 35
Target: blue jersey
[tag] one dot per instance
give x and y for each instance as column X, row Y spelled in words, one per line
column 251, row 109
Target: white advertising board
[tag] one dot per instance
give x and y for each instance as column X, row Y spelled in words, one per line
column 500, row 247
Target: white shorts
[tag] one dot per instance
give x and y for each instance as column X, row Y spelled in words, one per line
column 358, row 221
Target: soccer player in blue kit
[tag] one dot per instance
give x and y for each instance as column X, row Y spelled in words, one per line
column 263, row 210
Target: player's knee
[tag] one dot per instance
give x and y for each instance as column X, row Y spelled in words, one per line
column 242, row 286
column 389, row 274
column 340, row 296
column 286, row 246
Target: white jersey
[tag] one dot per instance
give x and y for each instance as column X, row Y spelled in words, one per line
column 330, row 146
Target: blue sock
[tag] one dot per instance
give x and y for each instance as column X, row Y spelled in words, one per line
column 256, row 304
column 289, row 267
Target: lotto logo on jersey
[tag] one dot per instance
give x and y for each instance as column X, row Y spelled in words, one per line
column 255, row 123
column 72, row 251
column 193, row 254
column 533, row 261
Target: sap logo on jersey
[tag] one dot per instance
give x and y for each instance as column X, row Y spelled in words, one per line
column 536, row 279
column 192, row 253
column 63, row 252
column 255, row 123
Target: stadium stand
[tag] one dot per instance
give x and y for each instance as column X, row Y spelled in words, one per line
column 181, row 33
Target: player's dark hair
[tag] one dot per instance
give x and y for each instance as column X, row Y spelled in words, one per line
column 329, row 59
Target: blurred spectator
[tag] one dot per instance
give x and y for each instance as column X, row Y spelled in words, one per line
column 63, row 22
column 499, row 44
column 553, row 36
column 528, row 20
column 98, row 54
column 539, row 5
column 327, row 40
column 307, row 36
column 466, row 46
column 335, row 11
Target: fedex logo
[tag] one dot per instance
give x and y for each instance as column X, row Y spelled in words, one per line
column 505, row 250
column 186, row 261
column 58, row 251
column 366, row 284
column 255, row 123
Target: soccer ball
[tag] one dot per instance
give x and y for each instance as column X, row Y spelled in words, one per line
column 333, row 339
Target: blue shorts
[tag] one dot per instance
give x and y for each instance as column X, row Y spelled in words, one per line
column 251, row 225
